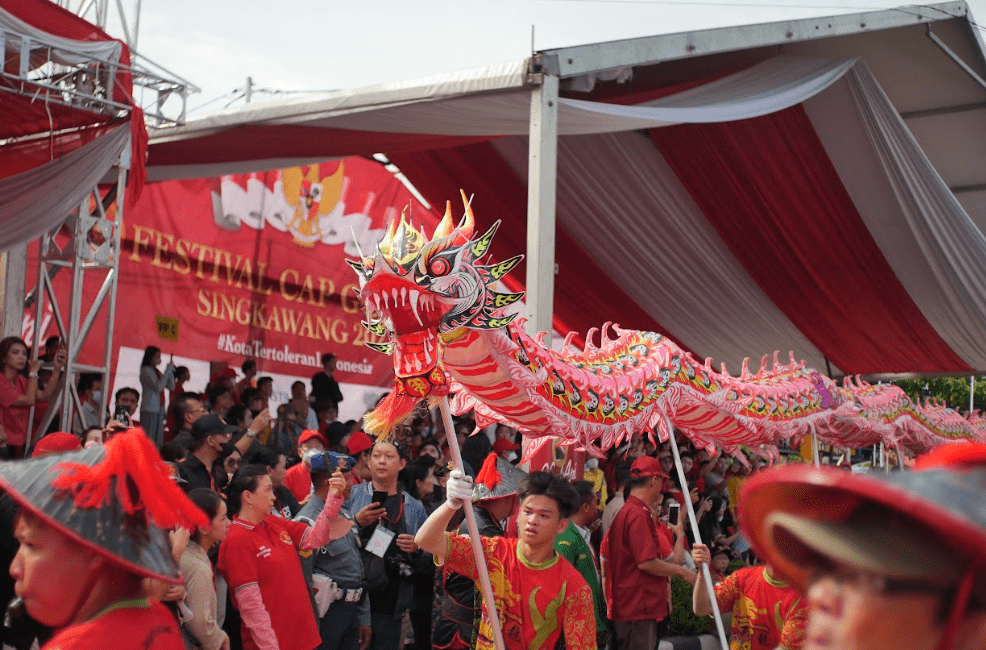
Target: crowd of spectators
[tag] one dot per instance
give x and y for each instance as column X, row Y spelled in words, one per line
column 265, row 473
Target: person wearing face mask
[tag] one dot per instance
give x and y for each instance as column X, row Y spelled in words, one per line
column 259, row 561
column 90, row 388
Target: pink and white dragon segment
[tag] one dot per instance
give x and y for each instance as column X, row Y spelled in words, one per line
column 450, row 333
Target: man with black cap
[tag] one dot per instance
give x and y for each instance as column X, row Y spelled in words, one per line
column 92, row 526
column 639, row 558
column 886, row 560
column 209, row 434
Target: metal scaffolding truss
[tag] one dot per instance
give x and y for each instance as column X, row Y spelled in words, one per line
column 83, row 76
column 74, row 75
column 91, row 253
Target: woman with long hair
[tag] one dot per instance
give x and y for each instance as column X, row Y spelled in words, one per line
column 19, row 389
column 202, row 630
column 152, row 386
column 259, row 561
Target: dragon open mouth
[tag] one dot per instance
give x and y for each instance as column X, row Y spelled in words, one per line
column 412, row 315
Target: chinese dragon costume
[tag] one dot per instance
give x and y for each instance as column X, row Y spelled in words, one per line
column 452, row 332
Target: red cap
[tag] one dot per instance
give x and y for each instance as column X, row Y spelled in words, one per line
column 222, row 374
column 308, row 434
column 358, row 443
column 503, row 444
column 56, row 443
column 645, row 467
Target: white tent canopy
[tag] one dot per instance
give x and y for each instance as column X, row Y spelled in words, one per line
column 887, row 141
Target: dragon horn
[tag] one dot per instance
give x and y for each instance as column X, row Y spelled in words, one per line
column 468, row 222
column 446, row 226
column 745, row 370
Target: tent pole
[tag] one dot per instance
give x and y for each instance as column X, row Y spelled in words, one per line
column 542, row 168
column 814, row 449
column 477, row 550
column 972, row 390
column 723, row 639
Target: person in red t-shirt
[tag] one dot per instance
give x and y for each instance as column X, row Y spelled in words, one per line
column 767, row 613
column 18, row 393
column 84, row 550
column 539, row 596
column 259, row 561
column 637, row 560
column 298, row 478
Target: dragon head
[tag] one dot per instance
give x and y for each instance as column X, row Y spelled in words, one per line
column 418, row 292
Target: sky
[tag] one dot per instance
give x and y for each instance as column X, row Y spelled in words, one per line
column 318, row 45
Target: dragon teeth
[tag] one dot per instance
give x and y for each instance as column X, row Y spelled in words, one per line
column 403, row 296
column 394, row 293
column 414, row 304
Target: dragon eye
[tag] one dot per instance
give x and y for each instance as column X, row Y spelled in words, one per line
column 439, row 266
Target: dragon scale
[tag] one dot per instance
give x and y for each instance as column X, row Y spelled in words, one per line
column 450, row 332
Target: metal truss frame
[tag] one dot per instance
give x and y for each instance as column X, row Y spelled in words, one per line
column 93, row 249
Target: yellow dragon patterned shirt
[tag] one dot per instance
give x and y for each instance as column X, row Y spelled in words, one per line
column 767, row 614
column 536, row 603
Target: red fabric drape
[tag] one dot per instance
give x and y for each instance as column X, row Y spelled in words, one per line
column 585, row 296
column 773, row 195
column 272, row 141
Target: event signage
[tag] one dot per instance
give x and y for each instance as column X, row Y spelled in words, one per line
column 254, row 266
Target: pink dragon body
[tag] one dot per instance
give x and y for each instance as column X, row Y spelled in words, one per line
column 451, row 333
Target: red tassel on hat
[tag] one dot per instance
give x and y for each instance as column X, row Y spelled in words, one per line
column 488, row 475
column 131, row 454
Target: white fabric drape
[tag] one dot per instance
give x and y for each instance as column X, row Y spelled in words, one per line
column 769, row 87
column 65, row 51
column 926, row 236
column 658, row 258
column 436, row 107
column 36, row 201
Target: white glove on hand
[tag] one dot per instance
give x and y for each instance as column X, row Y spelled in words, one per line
column 458, row 489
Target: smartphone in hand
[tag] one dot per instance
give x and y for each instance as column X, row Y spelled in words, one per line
column 379, row 496
column 673, row 511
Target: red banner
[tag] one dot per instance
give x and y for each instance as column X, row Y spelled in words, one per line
column 253, row 266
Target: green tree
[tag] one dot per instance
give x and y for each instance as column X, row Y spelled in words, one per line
column 953, row 391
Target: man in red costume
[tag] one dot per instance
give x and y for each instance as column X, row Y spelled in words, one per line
column 539, row 596
column 767, row 613
column 91, row 528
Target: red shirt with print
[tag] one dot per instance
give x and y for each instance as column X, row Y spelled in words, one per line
column 266, row 554
column 537, row 603
column 633, row 538
column 766, row 613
